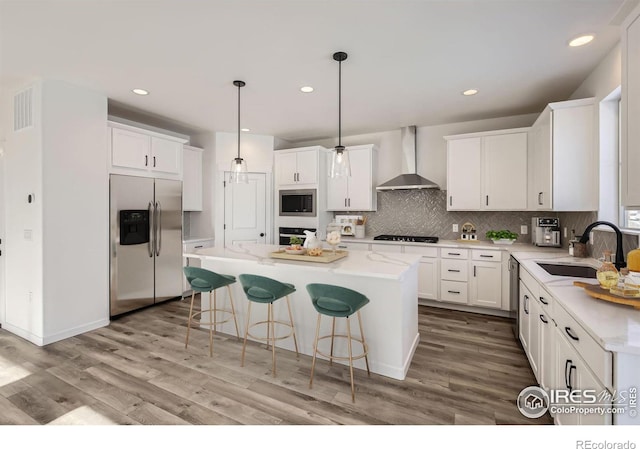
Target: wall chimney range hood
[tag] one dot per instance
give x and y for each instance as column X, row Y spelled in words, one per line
column 410, row 179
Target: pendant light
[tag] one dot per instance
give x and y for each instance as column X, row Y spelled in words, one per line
column 239, row 165
column 339, row 156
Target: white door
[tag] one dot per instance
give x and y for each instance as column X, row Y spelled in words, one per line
column 245, row 218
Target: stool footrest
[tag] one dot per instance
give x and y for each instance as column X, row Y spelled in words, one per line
column 200, row 312
column 335, row 357
column 268, row 339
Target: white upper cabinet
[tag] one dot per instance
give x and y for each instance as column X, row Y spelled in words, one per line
column 358, row 191
column 297, row 166
column 487, row 171
column 563, row 165
column 630, row 182
column 139, row 152
column 192, row 179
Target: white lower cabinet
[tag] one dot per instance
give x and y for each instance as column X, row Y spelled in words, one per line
column 428, row 271
column 454, row 275
column 574, row 376
column 485, row 281
column 524, row 321
column 564, row 358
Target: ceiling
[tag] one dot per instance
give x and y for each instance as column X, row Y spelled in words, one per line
column 408, row 61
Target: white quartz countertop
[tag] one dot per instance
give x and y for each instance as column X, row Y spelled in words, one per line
column 359, row 263
column 615, row 327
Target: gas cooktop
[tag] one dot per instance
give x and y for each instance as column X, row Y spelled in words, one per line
column 406, row 238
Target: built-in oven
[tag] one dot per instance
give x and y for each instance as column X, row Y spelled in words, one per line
column 285, row 234
column 298, row 203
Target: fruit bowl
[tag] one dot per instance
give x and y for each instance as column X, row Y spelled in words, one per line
column 290, row 250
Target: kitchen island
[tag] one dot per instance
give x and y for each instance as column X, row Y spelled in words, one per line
column 389, row 280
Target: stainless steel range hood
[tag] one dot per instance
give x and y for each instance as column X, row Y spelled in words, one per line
column 410, row 179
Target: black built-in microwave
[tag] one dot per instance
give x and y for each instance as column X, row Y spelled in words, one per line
column 298, row 203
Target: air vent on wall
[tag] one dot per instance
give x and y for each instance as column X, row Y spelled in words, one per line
column 23, row 110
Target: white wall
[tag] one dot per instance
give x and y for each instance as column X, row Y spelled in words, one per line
column 23, row 256
column 431, row 146
column 75, row 202
column 57, row 279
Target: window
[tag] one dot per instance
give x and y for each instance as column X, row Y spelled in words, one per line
column 610, row 166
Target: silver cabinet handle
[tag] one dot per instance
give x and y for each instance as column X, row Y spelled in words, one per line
column 540, row 199
column 158, row 228
column 526, row 302
column 151, row 241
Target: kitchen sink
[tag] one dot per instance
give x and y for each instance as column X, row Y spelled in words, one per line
column 577, row 271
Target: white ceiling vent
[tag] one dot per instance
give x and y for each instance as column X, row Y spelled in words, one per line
column 23, row 109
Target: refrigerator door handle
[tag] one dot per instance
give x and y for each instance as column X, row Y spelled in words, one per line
column 151, row 242
column 158, row 228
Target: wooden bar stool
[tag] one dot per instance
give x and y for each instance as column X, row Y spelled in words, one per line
column 265, row 290
column 201, row 281
column 338, row 302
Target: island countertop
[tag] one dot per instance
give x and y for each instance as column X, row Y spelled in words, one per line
column 389, row 280
column 357, row 263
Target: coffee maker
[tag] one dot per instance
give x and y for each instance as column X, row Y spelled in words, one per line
column 545, row 231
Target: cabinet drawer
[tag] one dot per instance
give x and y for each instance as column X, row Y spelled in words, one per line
column 598, row 360
column 189, row 247
column 454, row 270
column 487, row 255
column 454, row 253
column 452, row 291
column 546, row 301
column 424, row 252
column 529, row 281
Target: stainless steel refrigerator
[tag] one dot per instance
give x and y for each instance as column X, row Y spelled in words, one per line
column 146, row 242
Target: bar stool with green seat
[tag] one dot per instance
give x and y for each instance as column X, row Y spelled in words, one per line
column 265, row 290
column 201, row 281
column 338, row 302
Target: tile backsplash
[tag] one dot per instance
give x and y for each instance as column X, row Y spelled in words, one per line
column 424, row 212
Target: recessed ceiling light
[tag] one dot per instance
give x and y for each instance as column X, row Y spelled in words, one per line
column 470, row 92
column 246, row 130
column 140, row 91
column 581, row 40
column 306, row 89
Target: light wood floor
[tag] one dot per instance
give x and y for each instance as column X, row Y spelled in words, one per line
column 468, row 369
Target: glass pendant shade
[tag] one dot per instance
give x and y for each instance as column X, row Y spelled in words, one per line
column 239, row 172
column 340, row 165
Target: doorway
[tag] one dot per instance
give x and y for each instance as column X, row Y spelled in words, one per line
column 245, row 210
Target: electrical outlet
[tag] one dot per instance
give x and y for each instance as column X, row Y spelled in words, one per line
column 455, row 228
column 523, row 230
